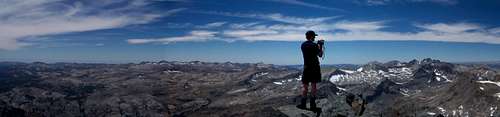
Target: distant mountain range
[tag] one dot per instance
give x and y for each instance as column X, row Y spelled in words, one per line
column 425, row 87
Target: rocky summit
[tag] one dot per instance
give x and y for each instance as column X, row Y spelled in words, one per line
column 418, row 88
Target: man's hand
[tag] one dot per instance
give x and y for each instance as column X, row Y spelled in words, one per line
column 321, row 42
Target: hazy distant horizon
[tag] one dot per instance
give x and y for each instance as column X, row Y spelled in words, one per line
column 337, row 52
column 48, row 62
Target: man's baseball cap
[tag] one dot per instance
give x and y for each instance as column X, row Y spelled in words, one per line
column 311, row 33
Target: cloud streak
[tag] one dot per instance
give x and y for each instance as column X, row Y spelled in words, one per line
column 450, row 28
column 193, row 36
column 32, row 18
column 212, row 25
column 305, row 4
column 389, row 2
column 275, row 17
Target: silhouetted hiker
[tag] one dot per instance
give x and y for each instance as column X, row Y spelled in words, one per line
column 311, row 74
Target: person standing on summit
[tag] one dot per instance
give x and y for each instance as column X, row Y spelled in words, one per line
column 312, row 72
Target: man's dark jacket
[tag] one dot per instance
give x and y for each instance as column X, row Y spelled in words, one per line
column 310, row 52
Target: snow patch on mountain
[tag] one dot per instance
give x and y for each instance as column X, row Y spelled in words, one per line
column 404, row 92
column 261, row 74
column 497, row 95
column 372, row 76
column 347, row 71
column 172, row 71
column 461, row 110
column 237, row 91
column 360, row 69
column 340, row 88
column 338, row 78
column 441, row 109
column 440, row 76
column 492, row 110
column 490, row 82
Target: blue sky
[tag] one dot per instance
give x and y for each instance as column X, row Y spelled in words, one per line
column 269, row 31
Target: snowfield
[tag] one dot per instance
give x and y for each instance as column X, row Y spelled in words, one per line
column 490, row 82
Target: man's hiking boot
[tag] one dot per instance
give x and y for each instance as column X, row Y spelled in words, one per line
column 312, row 104
column 303, row 101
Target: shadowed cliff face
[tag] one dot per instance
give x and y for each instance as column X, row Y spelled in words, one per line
column 240, row 89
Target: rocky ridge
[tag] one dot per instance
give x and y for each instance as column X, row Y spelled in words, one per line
column 168, row 88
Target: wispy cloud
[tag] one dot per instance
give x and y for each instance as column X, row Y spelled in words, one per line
column 243, row 25
column 447, row 32
column 323, row 27
column 495, row 30
column 445, row 2
column 301, row 3
column 451, row 28
column 99, row 44
column 174, row 0
column 212, row 25
column 389, row 2
column 259, row 35
column 245, row 33
column 376, row 2
column 275, row 17
column 31, row 18
column 196, row 35
column 359, row 26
